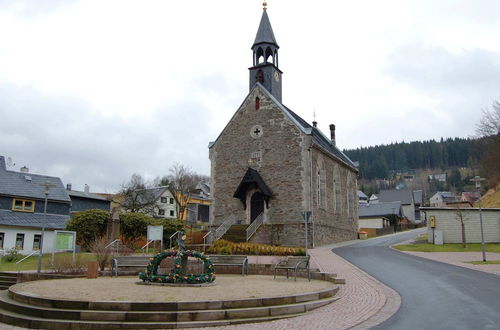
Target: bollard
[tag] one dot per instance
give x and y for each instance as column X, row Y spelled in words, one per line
column 93, row 270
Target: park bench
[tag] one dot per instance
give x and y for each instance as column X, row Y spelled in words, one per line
column 120, row 262
column 231, row 260
column 295, row 264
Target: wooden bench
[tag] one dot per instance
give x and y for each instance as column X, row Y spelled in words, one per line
column 231, row 260
column 295, row 264
column 128, row 262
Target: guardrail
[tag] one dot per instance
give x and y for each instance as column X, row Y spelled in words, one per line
column 255, row 225
column 225, row 225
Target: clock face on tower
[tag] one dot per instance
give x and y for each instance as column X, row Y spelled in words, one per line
column 276, row 76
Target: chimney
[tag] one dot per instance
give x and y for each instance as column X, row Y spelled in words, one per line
column 68, row 186
column 332, row 133
column 87, row 189
column 24, row 169
column 2, row 163
column 315, row 123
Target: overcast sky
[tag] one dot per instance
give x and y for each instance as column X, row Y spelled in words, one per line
column 94, row 91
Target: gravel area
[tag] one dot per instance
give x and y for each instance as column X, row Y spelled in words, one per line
column 126, row 289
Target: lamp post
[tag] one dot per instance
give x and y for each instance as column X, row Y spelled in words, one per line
column 47, row 186
column 477, row 180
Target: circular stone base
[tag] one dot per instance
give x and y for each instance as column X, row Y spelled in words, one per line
column 229, row 287
column 176, row 284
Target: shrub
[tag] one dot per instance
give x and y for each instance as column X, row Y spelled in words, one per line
column 63, row 264
column 89, row 225
column 12, row 255
column 134, row 226
column 226, row 247
column 103, row 254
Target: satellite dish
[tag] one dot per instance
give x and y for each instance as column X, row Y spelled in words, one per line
column 9, row 162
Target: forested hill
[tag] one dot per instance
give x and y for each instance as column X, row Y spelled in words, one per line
column 377, row 162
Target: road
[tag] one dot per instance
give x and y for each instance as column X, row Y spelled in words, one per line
column 434, row 295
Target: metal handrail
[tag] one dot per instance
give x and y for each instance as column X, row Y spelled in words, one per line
column 255, row 225
column 117, row 242
column 225, row 225
column 149, row 242
column 29, row 255
column 205, row 239
column 171, row 236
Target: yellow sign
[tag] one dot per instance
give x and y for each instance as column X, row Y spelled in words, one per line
column 432, row 221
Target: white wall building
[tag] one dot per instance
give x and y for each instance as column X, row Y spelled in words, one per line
column 447, row 221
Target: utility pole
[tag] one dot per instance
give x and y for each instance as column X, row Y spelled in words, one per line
column 47, row 186
column 477, row 180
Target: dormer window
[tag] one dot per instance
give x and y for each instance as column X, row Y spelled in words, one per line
column 23, row 205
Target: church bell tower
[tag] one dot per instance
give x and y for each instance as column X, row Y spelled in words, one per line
column 265, row 58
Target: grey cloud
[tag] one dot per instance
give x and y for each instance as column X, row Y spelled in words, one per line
column 435, row 68
column 64, row 138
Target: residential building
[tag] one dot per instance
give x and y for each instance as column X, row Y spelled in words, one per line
column 362, row 198
column 376, row 215
column 22, row 205
column 404, row 196
column 470, row 197
column 85, row 200
column 270, row 165
column 442, row 198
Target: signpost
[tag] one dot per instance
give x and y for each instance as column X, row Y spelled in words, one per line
column 64, row 240
column 155, row 233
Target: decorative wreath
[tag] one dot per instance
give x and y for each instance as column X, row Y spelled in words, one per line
column 175, row 275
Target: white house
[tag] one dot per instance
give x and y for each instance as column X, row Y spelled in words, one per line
column 22, row 196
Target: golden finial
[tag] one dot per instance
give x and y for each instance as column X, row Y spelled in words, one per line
column 264, row 4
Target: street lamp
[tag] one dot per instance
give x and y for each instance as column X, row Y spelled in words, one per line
column 477, row 180
column 47, row 186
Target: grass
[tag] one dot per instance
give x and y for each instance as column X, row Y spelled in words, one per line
column 429, row 247
column 32, row 262
column 487, row 262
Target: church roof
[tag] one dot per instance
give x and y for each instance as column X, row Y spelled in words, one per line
column 265, row 32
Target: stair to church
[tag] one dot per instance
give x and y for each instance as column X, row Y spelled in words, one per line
column 236, row 233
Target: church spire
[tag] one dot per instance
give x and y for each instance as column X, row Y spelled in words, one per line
column 265, row 68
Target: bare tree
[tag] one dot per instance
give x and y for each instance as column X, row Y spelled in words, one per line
column 489, row 125
column 182, row 180
column 460, row 217
column 136, row 195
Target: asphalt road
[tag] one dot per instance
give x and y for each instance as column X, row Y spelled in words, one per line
column 434, row 295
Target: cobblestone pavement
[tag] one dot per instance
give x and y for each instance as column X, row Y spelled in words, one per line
column 364, row 302
column 461, row 258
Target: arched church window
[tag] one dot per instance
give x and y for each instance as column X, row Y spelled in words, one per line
column 260, row 55
column 269, row 55
column 257, row 103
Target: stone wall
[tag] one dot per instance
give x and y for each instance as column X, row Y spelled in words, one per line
column 333, row 221
column 275, row 155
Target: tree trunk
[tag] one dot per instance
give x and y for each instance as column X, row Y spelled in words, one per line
column 464, row 243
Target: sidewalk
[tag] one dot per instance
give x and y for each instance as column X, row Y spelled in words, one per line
column 364, row 302
column 460, row 259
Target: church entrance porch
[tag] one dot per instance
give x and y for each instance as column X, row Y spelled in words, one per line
column 256, row 205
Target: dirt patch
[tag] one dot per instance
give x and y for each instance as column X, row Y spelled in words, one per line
column 126, row 289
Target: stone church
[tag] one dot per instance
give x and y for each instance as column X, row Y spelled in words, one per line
column 269, row 165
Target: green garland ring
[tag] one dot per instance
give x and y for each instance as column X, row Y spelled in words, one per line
column 175, row 275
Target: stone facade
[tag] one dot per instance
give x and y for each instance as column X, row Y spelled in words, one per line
column 285, row 157
column 278, row 166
